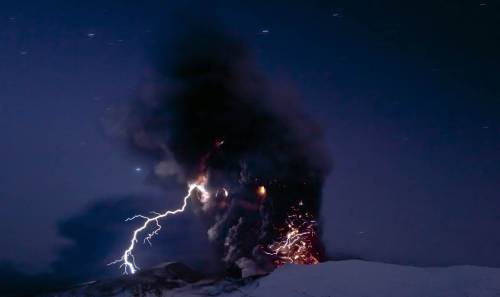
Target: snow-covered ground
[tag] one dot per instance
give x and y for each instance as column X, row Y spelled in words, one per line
column 357, row 278
column 351, row 278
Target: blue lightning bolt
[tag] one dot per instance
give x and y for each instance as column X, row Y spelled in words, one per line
column 127, row 260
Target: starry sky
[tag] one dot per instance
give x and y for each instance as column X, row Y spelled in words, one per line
column 408, row 95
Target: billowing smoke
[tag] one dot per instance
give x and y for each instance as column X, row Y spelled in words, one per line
column 209, row 112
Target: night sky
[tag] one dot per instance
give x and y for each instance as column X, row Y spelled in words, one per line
column 408, row 95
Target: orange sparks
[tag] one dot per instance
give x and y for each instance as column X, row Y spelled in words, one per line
column 296, row 242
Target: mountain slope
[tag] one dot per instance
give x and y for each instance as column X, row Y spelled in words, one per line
column 351, row 278
column 357, row 278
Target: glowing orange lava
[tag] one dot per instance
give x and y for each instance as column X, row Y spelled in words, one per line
column 296, row 244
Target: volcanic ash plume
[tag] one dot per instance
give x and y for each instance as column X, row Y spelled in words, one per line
column 209, row 117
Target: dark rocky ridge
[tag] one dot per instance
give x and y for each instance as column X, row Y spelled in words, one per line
column 154, row 282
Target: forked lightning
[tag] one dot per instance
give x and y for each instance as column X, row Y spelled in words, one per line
column 127, row 260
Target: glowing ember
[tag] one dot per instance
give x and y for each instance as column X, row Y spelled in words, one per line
column 296, row 244
column 261, row 191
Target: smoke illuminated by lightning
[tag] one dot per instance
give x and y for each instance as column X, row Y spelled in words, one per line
column 263, row 153
column 128, row 260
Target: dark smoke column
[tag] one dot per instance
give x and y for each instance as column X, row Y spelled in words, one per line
column 211, row 113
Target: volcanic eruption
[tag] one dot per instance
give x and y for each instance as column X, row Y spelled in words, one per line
column 255, row 164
